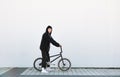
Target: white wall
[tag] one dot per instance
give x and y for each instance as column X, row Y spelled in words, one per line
column 89, row 31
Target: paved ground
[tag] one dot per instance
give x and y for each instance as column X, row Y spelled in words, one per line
column 81, row 72
column 3, row 70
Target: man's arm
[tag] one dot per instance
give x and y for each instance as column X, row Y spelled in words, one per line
column 54, row 42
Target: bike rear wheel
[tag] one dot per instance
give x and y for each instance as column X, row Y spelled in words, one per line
column 37, row 64
column 64, row 64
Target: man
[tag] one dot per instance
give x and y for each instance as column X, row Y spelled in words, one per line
column 45, row 46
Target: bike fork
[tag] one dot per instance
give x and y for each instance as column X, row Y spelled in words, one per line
column 62, row 59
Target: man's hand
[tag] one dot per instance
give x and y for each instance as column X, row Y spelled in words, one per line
column 60, row 45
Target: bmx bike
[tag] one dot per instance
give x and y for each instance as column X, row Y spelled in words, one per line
column 64, row 64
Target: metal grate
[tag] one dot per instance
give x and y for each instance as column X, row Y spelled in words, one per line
column 32, row 71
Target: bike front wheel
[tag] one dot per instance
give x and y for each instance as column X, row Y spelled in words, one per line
column 37, row 64
column 64, row 64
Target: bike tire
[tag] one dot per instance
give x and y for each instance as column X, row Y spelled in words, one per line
column 66, row 64
column 37, row 64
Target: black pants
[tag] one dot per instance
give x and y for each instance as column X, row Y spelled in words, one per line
column 45, row 58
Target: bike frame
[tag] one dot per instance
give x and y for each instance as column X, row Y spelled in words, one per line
column 57, row 56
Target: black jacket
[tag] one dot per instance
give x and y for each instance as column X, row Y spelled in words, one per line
column 46, row 40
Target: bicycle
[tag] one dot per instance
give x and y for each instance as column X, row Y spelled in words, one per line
column 64, row 64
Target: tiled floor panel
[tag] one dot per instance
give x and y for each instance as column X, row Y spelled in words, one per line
column 80, row 72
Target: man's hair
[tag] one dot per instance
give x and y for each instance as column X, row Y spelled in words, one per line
column 49, row 26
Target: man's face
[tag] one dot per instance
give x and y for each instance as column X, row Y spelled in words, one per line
column 49, row 30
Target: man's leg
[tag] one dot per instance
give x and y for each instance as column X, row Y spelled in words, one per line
column 48, row 59
column 44, row 62
column 44, row 59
